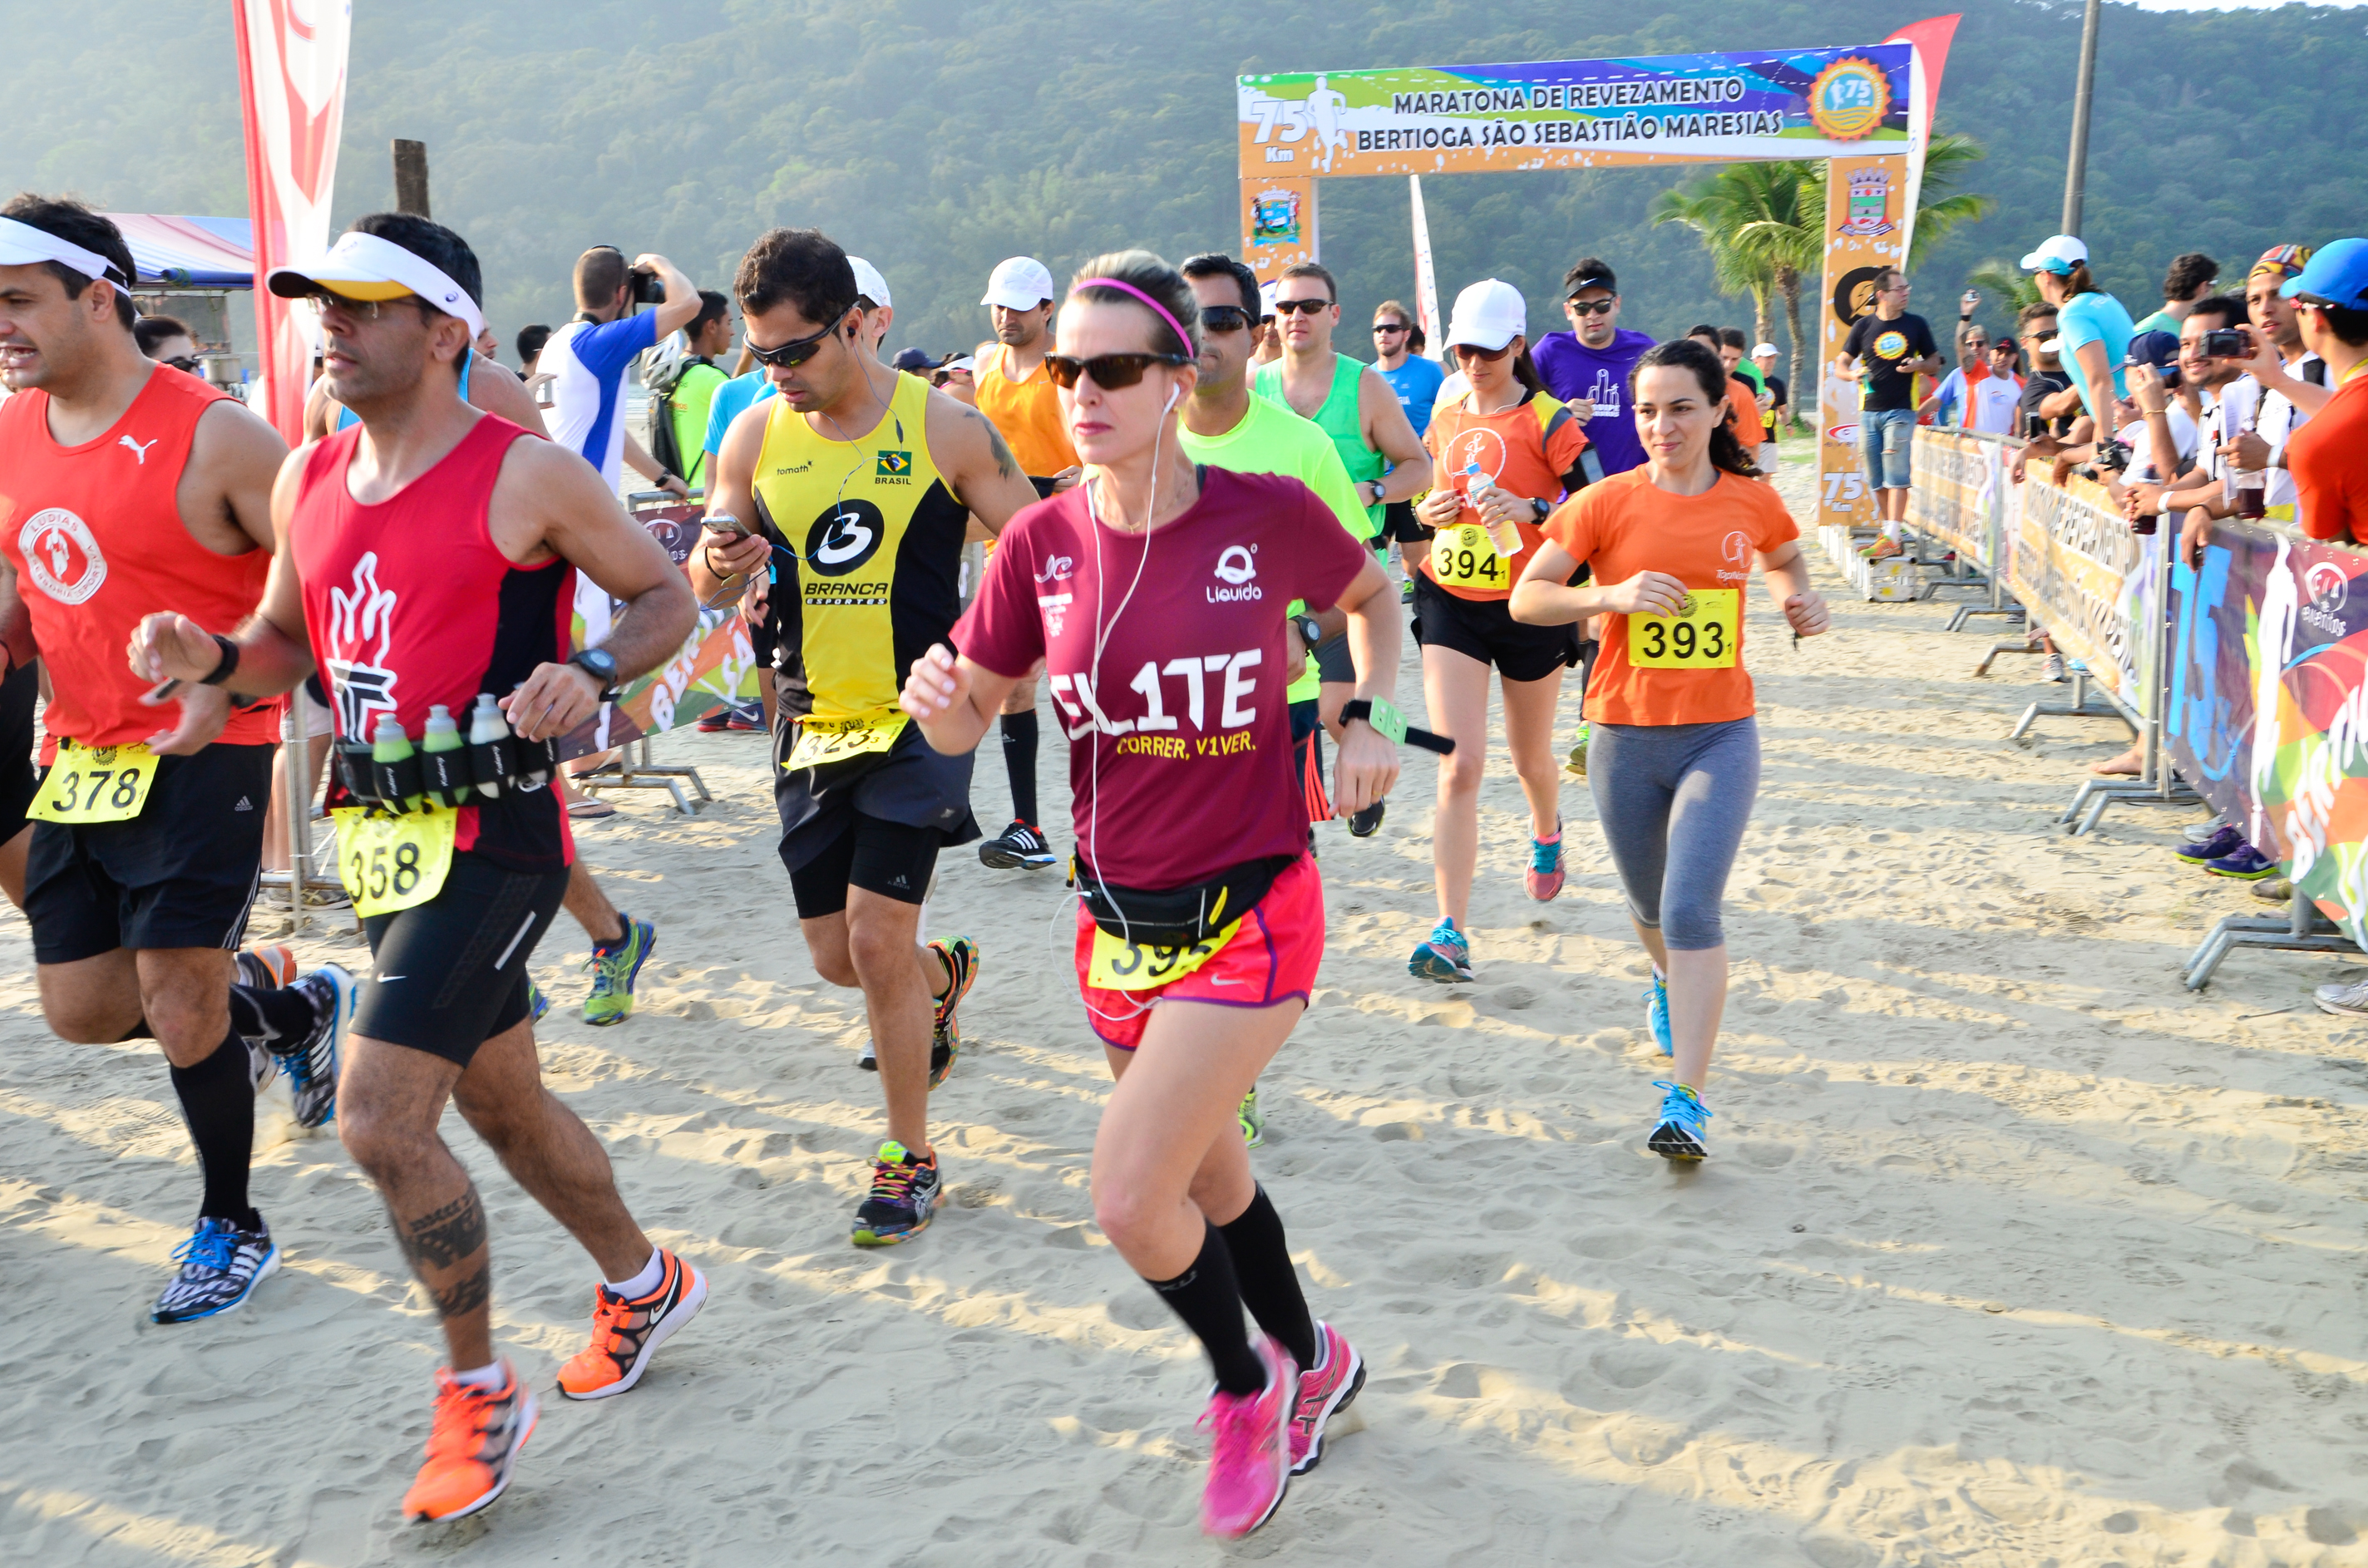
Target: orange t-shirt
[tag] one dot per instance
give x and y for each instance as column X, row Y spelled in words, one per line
column 1525, row 449
column 2330, row 460
column 1027, row 414
column 1624, row 526
column 1743, row 413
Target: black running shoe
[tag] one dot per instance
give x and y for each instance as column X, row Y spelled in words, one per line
column 1018, row 847
column 1367, row 823
column 313, row 1062
column 220, row 1266
column 904, row 1195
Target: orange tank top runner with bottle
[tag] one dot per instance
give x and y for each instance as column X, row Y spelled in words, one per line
column 1527, row 450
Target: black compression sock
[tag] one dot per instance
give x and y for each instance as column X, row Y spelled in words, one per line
column 1270, row 1285
column 140, row 1030
column 1020, row 761
column 276, row 1017
column 1208, row 1299
column 217, row 1102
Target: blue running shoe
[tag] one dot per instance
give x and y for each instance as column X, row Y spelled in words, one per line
column 2244, row 862
column 220, row 1266
column 2223, row 840
column 614, row 970
column 1444, row 956
column 313, row 1062
column 1657, row 1016
column 537, row 1003
column 1678, row 1131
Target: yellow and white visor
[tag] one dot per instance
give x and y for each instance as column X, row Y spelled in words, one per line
column 364, row 267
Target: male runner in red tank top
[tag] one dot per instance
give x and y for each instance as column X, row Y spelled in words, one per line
column 127, row 482
column 425, row 558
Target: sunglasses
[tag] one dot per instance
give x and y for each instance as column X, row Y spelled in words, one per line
column 1225, row 318
column 797, row 351
column 1112, row 372
column 319, row 301
column 1303, row 307
column 1593, row 307
column 1382, row 326
column 186, row 364
column 1473, row 351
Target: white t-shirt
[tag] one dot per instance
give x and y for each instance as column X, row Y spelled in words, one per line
column 2138, row 435
column 1995, row 399
column 587, row 362
column 2275, row 421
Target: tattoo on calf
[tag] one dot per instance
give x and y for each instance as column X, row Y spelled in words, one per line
column 443, row 1238
column 467, row 1296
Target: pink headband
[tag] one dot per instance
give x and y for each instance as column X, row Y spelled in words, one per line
column 1181, row 336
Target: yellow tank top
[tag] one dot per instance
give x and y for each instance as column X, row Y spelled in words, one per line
column 876, row 537
column 1028, row 413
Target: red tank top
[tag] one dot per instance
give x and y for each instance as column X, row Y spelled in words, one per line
column 409, row 603
column 95, row 535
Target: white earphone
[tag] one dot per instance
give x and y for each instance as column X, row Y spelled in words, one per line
column 1173, row 393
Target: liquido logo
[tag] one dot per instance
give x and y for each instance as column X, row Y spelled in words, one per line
column 1235, row 568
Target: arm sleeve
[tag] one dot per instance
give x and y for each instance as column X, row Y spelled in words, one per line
column 1003, row 630
column 607, row 348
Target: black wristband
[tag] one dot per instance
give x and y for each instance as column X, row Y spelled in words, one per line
column 229, row 665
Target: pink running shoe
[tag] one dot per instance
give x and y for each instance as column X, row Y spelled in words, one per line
column 1249, row 1460
column 1544, row 877
column 1325, row 1390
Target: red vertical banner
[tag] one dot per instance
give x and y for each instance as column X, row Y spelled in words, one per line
column 291, row 77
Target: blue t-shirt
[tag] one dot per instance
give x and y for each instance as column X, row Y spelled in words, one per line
column 733, row 399
column 2094, row 318
column 1573, row 372
column 587, row 362
column 1417, row 383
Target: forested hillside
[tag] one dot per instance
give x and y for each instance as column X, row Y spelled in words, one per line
column 936, row 137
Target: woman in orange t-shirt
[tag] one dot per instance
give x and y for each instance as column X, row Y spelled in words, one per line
column 1503, row 453
column 1674, row 757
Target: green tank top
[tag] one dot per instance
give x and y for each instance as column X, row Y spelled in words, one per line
column 1339, row 418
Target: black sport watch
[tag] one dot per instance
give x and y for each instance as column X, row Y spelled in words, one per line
column 602, row 665
column 1310, row 632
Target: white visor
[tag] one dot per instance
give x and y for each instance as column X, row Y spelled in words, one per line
column 373, row 263
column 21, row 245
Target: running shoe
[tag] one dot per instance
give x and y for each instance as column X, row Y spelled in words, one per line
column 960, row 955
column 473, row 1447
column 268, row 967
column 2275, row 889
column 1016, row 848
column 904, row 1190
column 869, row 1057
column 537, row 1003
column 626, row 1334
column 2054, row 669
column 1253, row 1122
column 2223, row 840
column 1444, row 956
column 749, row 720
column 1678, row 1131
column 2343, row 1001
column 2244, row 863
column 1367, row 823
column 1325, row 1390
column 1405, row 592
column 1883, row 548
column 1544, row 878
column 1576, row 766
column 220, row 1266
column 313, row 1062
column 1656, row 1015
column 1250, row 1450
column 262, row 1067
column 711, row 723
column 614, row 970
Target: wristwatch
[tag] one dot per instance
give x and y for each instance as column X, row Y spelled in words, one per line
column 602, row 665
column 1540, row 510
column 1310, row 632
column 1376, row 485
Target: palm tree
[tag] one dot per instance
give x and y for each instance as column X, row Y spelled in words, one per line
column 1764, row 225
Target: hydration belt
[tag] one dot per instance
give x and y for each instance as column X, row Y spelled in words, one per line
column 1178, row 917
column 512, row 763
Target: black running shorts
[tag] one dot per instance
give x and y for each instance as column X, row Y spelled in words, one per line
column 20, row 695
column 181, row 874
column 907, row 785
column 885, row 858
column 1484, row 630
column 450, row 974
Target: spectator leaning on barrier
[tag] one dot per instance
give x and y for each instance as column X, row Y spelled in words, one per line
column 2330, row 455
column 2044, row 412
column 2092, row 329
column 2156, row 450
column 2190, row 278
column 1886, row 350
column 2280, row 352
column 2203, row 493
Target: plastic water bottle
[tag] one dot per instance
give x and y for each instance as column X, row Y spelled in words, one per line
column 486, row 725
column 443, row 735
column 389, row 746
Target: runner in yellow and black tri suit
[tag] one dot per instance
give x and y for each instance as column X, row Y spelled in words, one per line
column 858, row 483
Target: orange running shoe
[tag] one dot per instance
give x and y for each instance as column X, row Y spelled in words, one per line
column 472, row 1448
column 273, row 965
column 625, row 1334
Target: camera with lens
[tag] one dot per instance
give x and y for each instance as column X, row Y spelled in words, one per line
column 2114, row 457
column 648, row 288
column 2226, row 343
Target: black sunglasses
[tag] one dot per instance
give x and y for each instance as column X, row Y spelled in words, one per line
column 797, row 351
column 1304, row 307
column 1112, row 372
column 186, row 364
column 1388, row 326
column 1225, row 318
column 1473, row 351
column 1593, row 307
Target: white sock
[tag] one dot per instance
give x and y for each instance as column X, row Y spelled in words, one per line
column 490, row 1378
column 644, row 1282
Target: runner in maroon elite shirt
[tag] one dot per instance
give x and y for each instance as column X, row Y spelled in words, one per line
column 1155, row 592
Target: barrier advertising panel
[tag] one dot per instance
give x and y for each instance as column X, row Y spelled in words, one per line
column 1961, row 484
column 2085, row 578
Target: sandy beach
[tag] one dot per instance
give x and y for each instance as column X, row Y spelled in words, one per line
column 2011, row 1251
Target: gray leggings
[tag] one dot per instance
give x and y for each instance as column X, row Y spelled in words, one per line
column 1674, row 800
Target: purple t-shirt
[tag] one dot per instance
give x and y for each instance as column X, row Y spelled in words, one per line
column 1180, row 755
column 1573, row 372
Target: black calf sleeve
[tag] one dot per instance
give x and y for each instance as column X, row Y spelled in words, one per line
column 1268, row 1284
column 1209, row 1300
column 1020, row 761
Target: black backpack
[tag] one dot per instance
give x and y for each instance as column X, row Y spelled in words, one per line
column 664, row 447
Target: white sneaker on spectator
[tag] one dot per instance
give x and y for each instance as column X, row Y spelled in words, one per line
column 2053, row 669
column 2344, row 1001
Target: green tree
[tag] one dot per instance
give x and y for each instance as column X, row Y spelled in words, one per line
column 1764, row 225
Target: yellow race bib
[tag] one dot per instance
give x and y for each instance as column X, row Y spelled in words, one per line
column 1466, row 557
column 390, row 862
column 1703, row 635
column 95, row 784
column 836, row 739
column 1121, row 965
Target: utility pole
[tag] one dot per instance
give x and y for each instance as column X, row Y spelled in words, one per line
column 411, row 174
column 2076, row 168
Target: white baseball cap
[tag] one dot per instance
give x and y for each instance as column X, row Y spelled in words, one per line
column 1489, row 315
column 2057, row 255
column 364, row 267
column 1763, row 348
column 1021, row 283
column 867, row 281
column 1265, row 297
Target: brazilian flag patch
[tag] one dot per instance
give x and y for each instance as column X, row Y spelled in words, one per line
column 893, row 465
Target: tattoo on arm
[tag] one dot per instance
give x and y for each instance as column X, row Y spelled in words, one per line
column 443, row 1238
column 1005, row 463
column 467, row 1296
